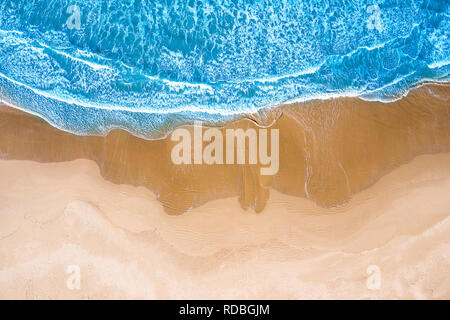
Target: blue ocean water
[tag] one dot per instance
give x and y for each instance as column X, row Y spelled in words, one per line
column 88, row 66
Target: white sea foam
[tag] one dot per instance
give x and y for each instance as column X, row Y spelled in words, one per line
column 439, row 64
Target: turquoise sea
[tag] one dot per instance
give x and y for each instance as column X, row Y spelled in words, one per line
column 88, row 66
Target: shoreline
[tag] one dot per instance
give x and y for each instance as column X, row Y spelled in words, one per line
column 264, row 117
column 329, row 151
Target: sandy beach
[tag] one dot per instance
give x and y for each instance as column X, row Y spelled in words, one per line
column 362, row 186
column 59, row 215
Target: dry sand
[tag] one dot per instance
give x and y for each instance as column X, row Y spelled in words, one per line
column 57, row 215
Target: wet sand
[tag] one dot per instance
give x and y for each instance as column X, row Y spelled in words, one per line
column 329, row 150
column 360, row 184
